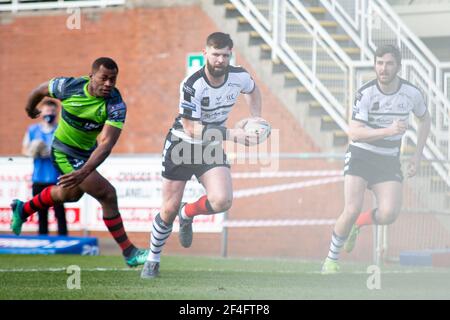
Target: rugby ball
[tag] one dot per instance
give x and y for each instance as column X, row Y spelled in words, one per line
column 258, row 126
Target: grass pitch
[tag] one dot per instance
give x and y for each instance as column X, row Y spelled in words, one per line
column 202, row 278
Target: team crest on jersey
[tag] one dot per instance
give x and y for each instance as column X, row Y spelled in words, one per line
column 205, row 102
column 375, row 106
column 401, row 107
column 117, row 106
column 231, row 97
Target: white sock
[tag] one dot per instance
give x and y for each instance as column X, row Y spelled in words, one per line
column 335, row 247
column 160, row 233
column 183, row 214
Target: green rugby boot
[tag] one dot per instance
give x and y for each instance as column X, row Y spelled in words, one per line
column 137, row 258
column 16, row 219
column 330, row 266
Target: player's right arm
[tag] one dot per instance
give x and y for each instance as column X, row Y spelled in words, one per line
column 57, row 88
column 190, row 111
column 35, row 97
column 359, row 130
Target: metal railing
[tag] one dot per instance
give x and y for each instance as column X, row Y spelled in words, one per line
column 24, row 5
column 446, row 78
column 447, row 85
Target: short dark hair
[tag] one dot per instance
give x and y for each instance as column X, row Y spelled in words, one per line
column 108, row 63
column 51, row 103
column 219, row 40
column 389, row 48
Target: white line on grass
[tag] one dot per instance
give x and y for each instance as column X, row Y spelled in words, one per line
column 61, row 269
column 64, row 269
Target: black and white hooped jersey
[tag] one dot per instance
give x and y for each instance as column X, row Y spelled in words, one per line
column 201, row 101
column 379, row 110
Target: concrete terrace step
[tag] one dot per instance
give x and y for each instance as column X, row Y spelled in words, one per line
column 316, row 109
column 290, row 22
column 264, row 8
column 322, row 63
column 301, row 36
column 333, row 90
column 340, row 138
column 349, row 50
column 328, row 124
column 321, row 76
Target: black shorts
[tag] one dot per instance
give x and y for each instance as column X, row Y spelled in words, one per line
column 182, row 160
column 372, row 167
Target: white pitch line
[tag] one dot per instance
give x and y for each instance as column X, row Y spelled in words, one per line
column 287, row 174
column 23, row 270
column 277, row 223
column 64, row 269
column 284, row 187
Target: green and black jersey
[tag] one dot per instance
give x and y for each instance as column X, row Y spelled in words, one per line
column 83, row 116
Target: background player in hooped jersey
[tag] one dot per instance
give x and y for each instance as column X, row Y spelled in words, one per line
column 380, row 118
column 194, row 145
column 91, row 107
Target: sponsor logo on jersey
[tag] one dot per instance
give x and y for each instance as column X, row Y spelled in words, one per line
column 231, row 97
column 118, row 115
column 189, row 90
column 188, row 105
column 205, row 101
column 92, row 126
column 117, row 106
column 375, row 106
column 76, row 163
column 214, row 115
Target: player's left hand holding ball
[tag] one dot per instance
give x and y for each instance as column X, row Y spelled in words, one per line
column 251, row 131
